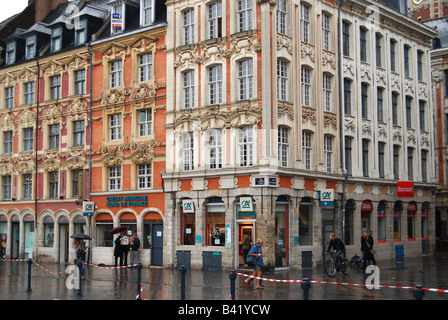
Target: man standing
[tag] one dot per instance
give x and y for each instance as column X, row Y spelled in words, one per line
column 135, row 245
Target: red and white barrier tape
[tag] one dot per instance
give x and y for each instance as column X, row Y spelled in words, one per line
column 339, row 283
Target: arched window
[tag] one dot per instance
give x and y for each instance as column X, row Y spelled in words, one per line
column 381, row 237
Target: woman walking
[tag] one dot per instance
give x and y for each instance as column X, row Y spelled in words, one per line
column 367, row 248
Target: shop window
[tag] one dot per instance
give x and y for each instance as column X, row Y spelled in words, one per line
column 79, row 223
column 397, row 221
column 412, row 208
column 188, row 223
column 425, row 214
column 48, row 231
column 349, row 211
column 104, row 224
column 281, row 231
column 128, row 220
column 366, row 210
column 305, row 222
column 3, row 235
column 381, row 222
column 215, row 222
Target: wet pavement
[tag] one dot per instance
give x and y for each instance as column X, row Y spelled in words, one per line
column 50, row 282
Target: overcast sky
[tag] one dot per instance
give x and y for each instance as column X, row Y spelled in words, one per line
column 11, row 7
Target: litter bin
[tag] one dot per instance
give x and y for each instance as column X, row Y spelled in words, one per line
column 184, row 258
column 307, row 259
column 211, row 261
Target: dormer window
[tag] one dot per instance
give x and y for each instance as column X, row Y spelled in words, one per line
column 11, row 52
column 81, row 32
column 117, row 24
column 56, row 39
column 146, row 12
column 30, row 48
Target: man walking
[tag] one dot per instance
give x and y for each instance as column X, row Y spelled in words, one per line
column 135, row 245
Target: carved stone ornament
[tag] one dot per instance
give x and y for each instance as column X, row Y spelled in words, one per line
column 77, row 106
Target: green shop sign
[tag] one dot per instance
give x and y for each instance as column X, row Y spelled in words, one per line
column 127, row 201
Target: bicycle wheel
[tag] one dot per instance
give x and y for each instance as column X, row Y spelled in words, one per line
column 345, row 266
column 330, row 268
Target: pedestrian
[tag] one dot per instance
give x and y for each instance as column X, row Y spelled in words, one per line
column 367, row 248
column 80, row 256
column 135, row 245
column 338, row 247
column 245, row 246
column 118, row 250
column 257, row 254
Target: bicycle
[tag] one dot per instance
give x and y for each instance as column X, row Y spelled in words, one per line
column 330, row 267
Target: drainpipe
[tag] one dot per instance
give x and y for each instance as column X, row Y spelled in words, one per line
column 90, row 148
column 36, row 237
column 341, row 122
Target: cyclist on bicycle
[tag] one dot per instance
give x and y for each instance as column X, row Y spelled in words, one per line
column 338, row 247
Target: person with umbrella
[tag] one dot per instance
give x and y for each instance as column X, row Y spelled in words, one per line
column 80, row 252
column 119, row 249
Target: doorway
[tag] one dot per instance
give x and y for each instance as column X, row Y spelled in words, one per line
column 157, row 244
column 15, row 228
column 244, row 227
column 63, row 242
column 327, row 229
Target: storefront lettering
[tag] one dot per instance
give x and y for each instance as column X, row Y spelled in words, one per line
column 127, row 201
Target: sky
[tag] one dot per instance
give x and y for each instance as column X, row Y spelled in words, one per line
column 11, row 7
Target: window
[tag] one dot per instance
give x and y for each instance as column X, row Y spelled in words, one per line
column 326, row 31
column 382, row 221
column 115, row 74
column 214, row 149
column 215, row 84
column 406, row 52
column 27, row 186
column 408, row 112
column 394, row 108
column 422, row 118
column 381, row 161
column 145, row 67
column 282, row 80
column 80, row 31
column 189, row 26
column 244, row 15
column 364, row 101
column 379, row 104
column 27, row 139
column 420, row 65
column 306, row 86
column 6, row 184
column 346, row 39
column 365, row 157
column 283, row 146
column 144, row 176
column 114, row 178
column 305, row 222
column 78, row 133
column 188, row 89
column 215, row 20
column 147, row 12
column 30, row 47
column 281, row 16
column 53, row 136
column 145, row 123
column 29, row 92
column 7, row 142
column 188, row 151
column 397, row 221
column 379, row 49
column 10, row 52
column 424, row 166
column 53, row 182
column 412, row 208
column 245, row 146
column 328, row 153
column 410, row 163
column 245, row 79
column 348, row 155
column 326, row 88
column 363, row 44
column 115, row 127
column 188, row 227
column 215, row 222
column 55, row 87
column 304, row 23
column 347, row 97
column 56, row 39
column 80, row 82
column 118, row 22
column 76, row 182
column 9, row 98
column 392, row 55
column 306, row 149
column 396, row 162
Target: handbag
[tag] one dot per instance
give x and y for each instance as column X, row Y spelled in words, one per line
column 250, row 261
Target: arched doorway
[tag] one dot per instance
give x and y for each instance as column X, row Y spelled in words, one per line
column 153, row 237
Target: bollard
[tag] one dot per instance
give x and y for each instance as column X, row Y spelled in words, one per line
column 79, row 265
column 232, row 277
column 139, row 280
column 183, row 270
column 306, row 286
column 418, row 292
column 30, row 262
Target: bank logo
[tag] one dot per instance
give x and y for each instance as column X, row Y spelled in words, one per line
column 246, row 204
column 188, row 206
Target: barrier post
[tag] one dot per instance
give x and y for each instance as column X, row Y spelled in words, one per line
column 306, row 286
column 30, row 262
column 232, row 277
column 79, row 265
column 183, row 270
column 139, row 279
column 418, row 292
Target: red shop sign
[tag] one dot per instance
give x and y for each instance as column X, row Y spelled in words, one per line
column 366, row 205
column 405, row 188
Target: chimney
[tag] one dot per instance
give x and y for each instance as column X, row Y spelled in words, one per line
column 43, row 7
